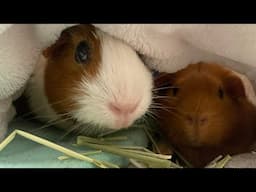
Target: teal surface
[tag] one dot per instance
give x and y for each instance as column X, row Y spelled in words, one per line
column 24, row 153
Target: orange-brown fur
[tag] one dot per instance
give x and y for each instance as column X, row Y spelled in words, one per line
column 229, row 123
column 62, row 72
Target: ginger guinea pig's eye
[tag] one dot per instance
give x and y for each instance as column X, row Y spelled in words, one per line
column 221, row 93
column 82, row 52
column 175, row 91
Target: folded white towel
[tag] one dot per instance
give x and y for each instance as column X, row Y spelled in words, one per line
column 169, row 47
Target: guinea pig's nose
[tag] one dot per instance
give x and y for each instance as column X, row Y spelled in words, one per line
column 122, row 108
column 199, row 120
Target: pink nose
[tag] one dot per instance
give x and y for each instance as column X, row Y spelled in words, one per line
column 123, row 109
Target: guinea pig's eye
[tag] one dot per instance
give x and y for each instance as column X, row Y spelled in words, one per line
column 221, row 93
column 175, row 91
column 82, row 52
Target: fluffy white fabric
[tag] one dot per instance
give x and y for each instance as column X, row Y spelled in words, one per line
column 169, row 47
column 20, row 45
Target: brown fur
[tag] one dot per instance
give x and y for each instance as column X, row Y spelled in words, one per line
column 227, row 124
column 62, row 71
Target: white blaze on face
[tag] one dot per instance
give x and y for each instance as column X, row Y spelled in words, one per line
column 120, row 93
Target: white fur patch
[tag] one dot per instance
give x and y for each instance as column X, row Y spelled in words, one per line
column 122, row 77
column 38, row 101
column 36, row 93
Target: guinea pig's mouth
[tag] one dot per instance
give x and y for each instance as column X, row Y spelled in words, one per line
column 198, row 142
column 195, row 143
column 96, row 128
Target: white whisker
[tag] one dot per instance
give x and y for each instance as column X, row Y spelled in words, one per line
column 163, row 88
column 52, row 122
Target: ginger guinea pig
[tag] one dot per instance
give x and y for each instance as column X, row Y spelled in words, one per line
column 205, row 112
column 90, row 80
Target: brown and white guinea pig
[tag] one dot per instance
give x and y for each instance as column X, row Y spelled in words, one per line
column 88, row 77
column 206, row 111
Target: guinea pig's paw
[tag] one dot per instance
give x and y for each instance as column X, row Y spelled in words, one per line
column 163, row 148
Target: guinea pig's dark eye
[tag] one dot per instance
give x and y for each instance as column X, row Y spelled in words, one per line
column 175, row 91
column 221, row 93
column 82, row 52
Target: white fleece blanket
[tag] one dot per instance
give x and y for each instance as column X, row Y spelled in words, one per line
column 20, row 45
column 169, row 47
column 165, row 47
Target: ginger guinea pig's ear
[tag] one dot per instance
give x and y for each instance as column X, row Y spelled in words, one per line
column 234, row 86
column 55, row 48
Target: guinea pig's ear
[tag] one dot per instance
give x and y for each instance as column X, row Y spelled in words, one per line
column 234, row 87
column 55, row 48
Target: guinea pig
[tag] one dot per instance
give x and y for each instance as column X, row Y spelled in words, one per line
column 206, row 111
column 91, row 81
